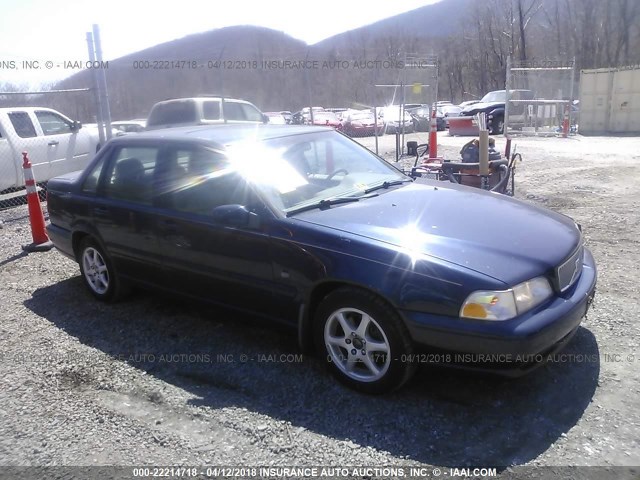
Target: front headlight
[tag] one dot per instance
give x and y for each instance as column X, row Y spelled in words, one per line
column 504, row 305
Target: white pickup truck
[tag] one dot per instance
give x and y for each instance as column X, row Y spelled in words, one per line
column 56, row 145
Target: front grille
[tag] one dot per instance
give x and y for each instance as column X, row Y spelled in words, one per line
column 569, row 271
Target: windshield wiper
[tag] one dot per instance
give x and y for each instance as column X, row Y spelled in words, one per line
column 323, row 204
column 387, row 185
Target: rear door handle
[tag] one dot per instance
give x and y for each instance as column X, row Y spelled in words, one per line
column 101, row 211
column 54, row 142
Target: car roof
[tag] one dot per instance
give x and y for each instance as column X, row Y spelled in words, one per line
column 203, row 99
column 28, row 109
column 222, row 134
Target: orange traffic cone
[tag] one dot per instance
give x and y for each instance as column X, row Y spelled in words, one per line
column 433, row 137
column 41, row 242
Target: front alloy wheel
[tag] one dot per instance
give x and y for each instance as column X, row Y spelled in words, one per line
column 365, row 343
column 357, row 345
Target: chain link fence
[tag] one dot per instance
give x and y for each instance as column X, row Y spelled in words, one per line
column 541, row 98
column 391, row 95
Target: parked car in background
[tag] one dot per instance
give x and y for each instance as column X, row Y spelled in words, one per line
column 397, row 120
column 308, row 227
column 421, row 118
column 449, row 111
column 337, row 110
column 493, row 105
column 276, row 118
column 122, row 127
column 288, row 117
column 328, row 119
column 303, row 116
column 360, row 123
column 181, row 112
column 55, row 143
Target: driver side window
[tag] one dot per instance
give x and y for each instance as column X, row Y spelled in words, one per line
column 206, row 182
column 52, row 124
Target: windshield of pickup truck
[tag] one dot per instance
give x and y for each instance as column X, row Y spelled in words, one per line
column 299, row 170
column 497, row 96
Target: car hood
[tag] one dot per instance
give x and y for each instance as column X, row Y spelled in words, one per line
column 506, row 239
column 476, row 107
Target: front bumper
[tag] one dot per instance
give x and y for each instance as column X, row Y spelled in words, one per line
column 519, row 343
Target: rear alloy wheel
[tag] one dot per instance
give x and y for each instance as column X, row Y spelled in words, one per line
column 98, row 273
column 366, row 345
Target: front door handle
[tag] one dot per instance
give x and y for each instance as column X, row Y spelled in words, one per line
column 169, row 226
column 54, row 142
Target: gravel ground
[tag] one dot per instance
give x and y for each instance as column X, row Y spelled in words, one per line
column 157, row 381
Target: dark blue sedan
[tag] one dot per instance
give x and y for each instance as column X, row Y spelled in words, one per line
column 305, row 226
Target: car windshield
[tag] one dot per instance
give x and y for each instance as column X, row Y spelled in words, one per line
column 300, row 170
column 497, row 96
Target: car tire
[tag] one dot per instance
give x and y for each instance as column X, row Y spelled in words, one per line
column 363, row 340
column 98, row 273
column 498, row 128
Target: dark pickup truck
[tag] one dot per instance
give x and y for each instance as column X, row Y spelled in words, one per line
column 493, row 104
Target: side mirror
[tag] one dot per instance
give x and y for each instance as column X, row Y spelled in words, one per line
column 265, row 119
column 75, row 126
column 235, row 216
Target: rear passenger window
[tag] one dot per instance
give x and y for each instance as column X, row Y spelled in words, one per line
column 22, row 124
column 131, row 174
column 211, row 110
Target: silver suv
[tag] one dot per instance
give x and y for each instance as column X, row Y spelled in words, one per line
column 181, row 112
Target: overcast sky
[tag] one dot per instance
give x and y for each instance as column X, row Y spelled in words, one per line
column 56, row 31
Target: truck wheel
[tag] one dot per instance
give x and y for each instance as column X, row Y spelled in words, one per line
column 364, row 342
column 498, row 126
column 98, row 273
